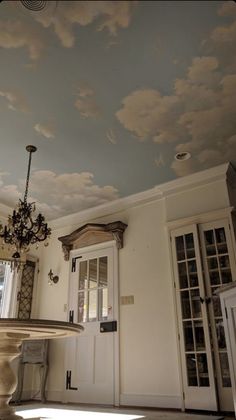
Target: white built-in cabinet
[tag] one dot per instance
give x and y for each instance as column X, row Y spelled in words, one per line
column 228, row 303
column 203, row 260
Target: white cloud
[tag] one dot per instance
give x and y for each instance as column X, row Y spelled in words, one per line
column 9, row 194
column 58, row 195
column 85, row 90
column 227, row 9
column 110, row 135
column 145, row 113
column 203, row 69
column 199, row 116
column 16, row 34
column 112, row 15
column 87, row 108
column 15, row 100
column 86, row 102
column 47, row 129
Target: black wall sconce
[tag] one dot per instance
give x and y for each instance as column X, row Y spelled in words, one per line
column 52, row 278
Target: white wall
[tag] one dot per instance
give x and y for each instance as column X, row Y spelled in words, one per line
column 197, row 200
column 149, row 372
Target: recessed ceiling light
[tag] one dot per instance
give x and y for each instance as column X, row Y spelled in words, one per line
column 182, row 156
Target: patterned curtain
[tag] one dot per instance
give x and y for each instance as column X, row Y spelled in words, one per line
column 25, row 294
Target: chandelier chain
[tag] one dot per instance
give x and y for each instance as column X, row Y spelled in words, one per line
column 27, row 178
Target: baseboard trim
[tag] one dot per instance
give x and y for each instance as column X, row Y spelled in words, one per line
column 157, row 401
column 55, row 396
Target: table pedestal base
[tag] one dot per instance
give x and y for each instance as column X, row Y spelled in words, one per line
column 12, row 333
column 9, row 350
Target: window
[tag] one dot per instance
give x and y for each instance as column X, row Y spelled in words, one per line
column 93, row 292
column 6, row 289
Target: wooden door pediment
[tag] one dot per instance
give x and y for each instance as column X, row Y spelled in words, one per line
column 91, row 234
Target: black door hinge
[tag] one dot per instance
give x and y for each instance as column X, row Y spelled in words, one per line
column 226, row 313
column 71, row 316
column 73, row 265
column 68, row 381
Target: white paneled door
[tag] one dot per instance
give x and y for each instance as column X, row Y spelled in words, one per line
column 91, row 360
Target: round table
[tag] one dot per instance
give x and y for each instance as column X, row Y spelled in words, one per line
column 12, row 333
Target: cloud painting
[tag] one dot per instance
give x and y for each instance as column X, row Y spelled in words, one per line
column 104, row 88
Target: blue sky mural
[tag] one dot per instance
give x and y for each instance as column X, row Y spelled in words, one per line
column 110, row 92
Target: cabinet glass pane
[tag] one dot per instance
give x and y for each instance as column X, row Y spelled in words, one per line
column 220, row 235
column 82, row 306
column 179, row 243
column 210, row 250
column 216, row 306
column 226, row 276
column 222, row 248
column 199, row 335
column 103, row 272
column 188, row 336
column 191, row 369
column 202, row 369
column 183, row 279
column 212, row 263
column 196, row 304
column 190, row 251
column 192, row 267
column 83, row 278
column 92, row 304
column 224, row 261
column 92, row 273
column 214, row 277
column 220, row 334
column 224, row 366
column 185, row 305
column 209, row 237
column 193, row 280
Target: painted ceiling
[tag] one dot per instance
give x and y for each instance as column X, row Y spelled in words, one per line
column 109, row 92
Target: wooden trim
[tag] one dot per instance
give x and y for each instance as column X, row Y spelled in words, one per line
column 91, row 234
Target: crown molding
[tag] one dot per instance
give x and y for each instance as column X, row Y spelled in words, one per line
column 106, row 209
column 197, row 179
column 157, row 193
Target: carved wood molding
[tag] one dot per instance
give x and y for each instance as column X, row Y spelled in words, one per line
column 91, row 234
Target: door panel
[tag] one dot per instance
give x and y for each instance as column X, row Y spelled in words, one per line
column 203, row 261
column 196, row 355
column 219, row 269
column 90, row 357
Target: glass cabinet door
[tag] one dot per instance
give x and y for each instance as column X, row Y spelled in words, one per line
column 219, row 270
column 196, row 354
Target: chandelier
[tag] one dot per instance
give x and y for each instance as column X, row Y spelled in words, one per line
column 24, row 228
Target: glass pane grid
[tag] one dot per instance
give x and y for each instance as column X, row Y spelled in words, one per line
column 193, row 330
column 219, row 274
column 93, row 292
